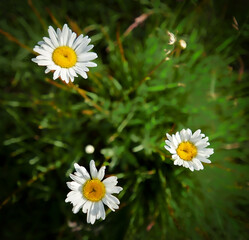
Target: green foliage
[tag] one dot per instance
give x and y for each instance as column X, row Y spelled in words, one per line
column 134, row 97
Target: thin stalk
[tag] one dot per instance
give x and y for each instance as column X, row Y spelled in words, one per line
column 15, row 40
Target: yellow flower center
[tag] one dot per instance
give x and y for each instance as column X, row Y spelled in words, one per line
column 64, row 57
column 94, row 190
column 186, row 151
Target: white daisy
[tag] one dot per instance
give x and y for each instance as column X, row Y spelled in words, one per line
column 91, row 193
column 172, row 38
column 65, row 54
column 188, row 149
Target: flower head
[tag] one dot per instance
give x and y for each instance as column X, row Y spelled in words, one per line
column 65, row 54
column 182, row 44
column 172, row 38
column 188, row 149
column 89, row 149
column 91, row 193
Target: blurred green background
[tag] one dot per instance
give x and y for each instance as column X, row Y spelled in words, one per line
column 132, row 99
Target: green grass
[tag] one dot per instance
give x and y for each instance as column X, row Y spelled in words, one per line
column 133, row 98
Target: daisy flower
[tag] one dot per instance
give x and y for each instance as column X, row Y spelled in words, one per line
column 189, row 150
column 65, row 54
column 172, row 38
column 91, row 193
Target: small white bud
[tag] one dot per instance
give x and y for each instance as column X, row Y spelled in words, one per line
column 182, row 44
column 89, row 149
column 167, row 52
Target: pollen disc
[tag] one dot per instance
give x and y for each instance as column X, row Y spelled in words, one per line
column 94, row 190
column 186, row 151
column 64, row 57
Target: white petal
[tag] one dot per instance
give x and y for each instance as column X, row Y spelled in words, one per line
column 112, row 200
column 93, row 169
column 82, row 45
column 89, row 213
column 82, row 171
column 93, row 213
column 102, row 210
column 73, row 199
column 88, row 48
column 42, row 51
column 180, row 162
column 56, row 74
column 73, row 196
column 205, row 152
column 83, row 48
column 98, row 215
column 77, row 179
column 86, row 206
column 110, row 181
column 70, row 76
column 171, row 150
column 72, row 72
column 176, row 143
column 34, row 60
column 85, row 57
column 80, row 72
column 48, row 49
column 169, row 137
column 74, row 186
column 191, row 167
column 113, row 189
column 196, row 167
column 170, row 144
column 67, row 76
column 178, row 138
column 101, row 173
column 49, row 42
column 71, row 39
column 196, row 133
column 90, row 64
column 183, row 135
column 78, row 206
column 175, row 156
column 43, row 62
column 189, row 132
column 107, row 201
column 81, row 66
column 63, row 74
column 44, row 57
column 197, row 163
column 53, row 67
column 72, row 193
column 203, row 140
column 201, row 166
column 185, row 164
column 65, row 32
column 59, row 37
column 205, row 160
column 209, row 151
column 77, row 41
column 53, row 36
column 97, row 209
